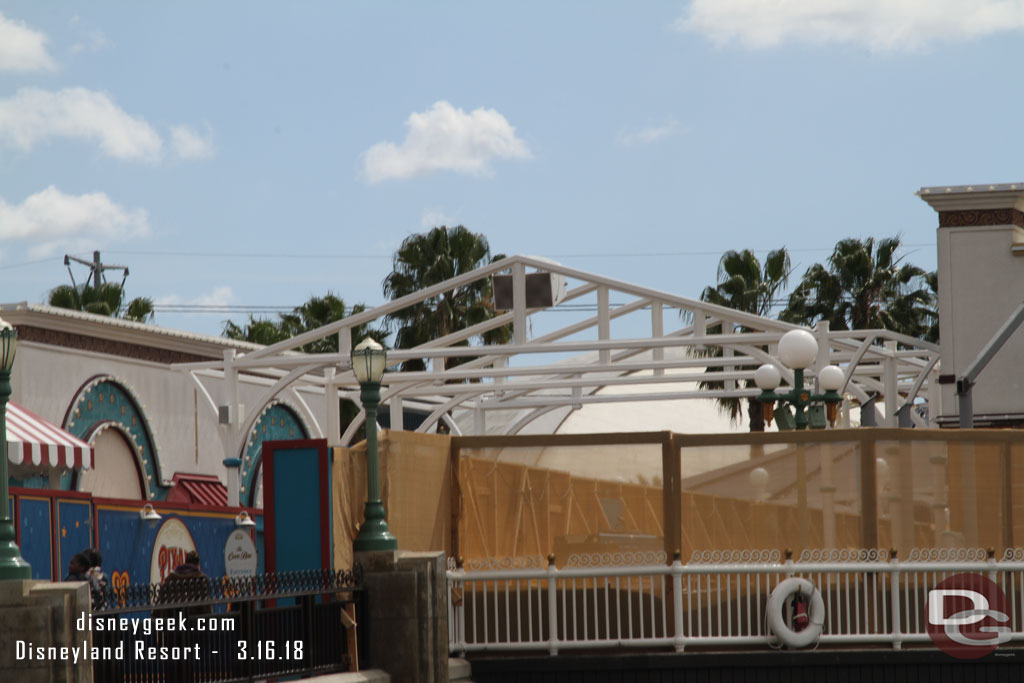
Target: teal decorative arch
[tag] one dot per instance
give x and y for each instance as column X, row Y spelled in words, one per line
column 105, row 400
column 277, row 422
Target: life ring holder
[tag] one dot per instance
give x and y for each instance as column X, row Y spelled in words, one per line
column 782, row 593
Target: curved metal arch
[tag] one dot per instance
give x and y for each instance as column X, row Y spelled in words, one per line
column 252, row 461
column 269, row 395
column 537, row 413
column 146, row 453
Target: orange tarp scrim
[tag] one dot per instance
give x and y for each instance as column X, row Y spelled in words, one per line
column 415, row 487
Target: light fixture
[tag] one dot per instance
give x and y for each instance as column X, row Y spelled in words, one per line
column 8, row 345
column 149, row 514
column 798, row 349
column 767, row 378
column 831, row 378
column 12, row 564
column 759, row 479
column 368, row 361
column 244, row 520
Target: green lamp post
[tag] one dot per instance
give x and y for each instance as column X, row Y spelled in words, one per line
column 798, row 350
column 368, row 362
column 12, row 565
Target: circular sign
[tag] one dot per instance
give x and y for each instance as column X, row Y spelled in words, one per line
column 239, row 555
column 172, row 543
column 968, row 616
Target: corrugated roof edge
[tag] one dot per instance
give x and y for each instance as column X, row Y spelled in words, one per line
column 145, row 328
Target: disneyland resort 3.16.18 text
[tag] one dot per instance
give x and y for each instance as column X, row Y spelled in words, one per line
column 139, row 648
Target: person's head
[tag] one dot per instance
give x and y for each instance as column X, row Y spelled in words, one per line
column 93, row 557
column 78, row 564
column 192, row 557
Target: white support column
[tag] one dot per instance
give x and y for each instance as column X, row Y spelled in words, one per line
column 499, row 379
column 603, row 324
column 700, row 328
column 657, row 331
column 821, row 336
column 828, row 493
column 332, row 423
column 934, row 398
column 397, row 413
column 892, row 394
column 479, row 419
column 729, row 328
column 345, row 340
column 519, row 303
column 229, row 426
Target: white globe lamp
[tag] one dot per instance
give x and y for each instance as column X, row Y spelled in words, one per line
column 798, row 349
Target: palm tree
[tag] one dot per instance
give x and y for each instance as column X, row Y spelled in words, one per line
column 257, row 331
column 107, row 299
column 316, row 312
column 746, row 285
column 865, row 286
column 427, row 259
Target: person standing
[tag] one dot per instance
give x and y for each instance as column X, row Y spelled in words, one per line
column 78, row 568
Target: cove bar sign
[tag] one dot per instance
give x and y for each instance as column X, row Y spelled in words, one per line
column 239, row 554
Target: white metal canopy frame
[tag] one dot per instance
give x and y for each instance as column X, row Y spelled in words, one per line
column 591, row 364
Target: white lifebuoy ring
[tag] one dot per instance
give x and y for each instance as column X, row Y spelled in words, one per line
column 777, row 601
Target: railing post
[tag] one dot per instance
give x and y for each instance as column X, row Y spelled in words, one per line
column 460, row 609
column 992, row 574
column 552, row 606
column 894, row 599
column 677, row 600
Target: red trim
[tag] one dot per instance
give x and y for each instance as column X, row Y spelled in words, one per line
column 326, row 559
column 269, row 531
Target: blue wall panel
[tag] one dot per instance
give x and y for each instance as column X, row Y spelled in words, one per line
column 36, row 536
column 73, row 532
column 297, row 506
column 126, row 541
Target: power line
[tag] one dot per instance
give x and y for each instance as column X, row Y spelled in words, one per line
column 323, row 256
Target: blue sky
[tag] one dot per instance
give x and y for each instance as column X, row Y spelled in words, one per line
column 288, row 148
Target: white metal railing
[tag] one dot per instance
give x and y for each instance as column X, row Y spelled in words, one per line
column 717, row 599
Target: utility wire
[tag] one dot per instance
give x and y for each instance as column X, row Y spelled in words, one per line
column 322, row 256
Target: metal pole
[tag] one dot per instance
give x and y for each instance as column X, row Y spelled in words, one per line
column 12, row 565
column 374, row 533
column 799, row 400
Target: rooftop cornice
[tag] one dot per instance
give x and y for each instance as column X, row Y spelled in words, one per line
column 974, row 197
column 118, row 330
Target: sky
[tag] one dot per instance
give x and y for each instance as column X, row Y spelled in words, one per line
column 255, row 154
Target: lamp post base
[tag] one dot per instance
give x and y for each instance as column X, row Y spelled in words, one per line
column 374, row 533
column 12, row 565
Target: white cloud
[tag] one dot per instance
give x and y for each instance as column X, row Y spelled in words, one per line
column 432, row 218
column 218, row 296
column 188, row 144
column 52, row 220
column 444, row 138
column 93, row 41
column 32, row 115
column 880, row 25
column 646, row 136
column 22, row 48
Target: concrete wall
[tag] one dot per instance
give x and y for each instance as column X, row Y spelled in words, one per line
column 981, row 282
column 43, row 614
column 47, row 378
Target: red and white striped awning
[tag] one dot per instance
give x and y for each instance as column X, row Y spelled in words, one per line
column 32, row 441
